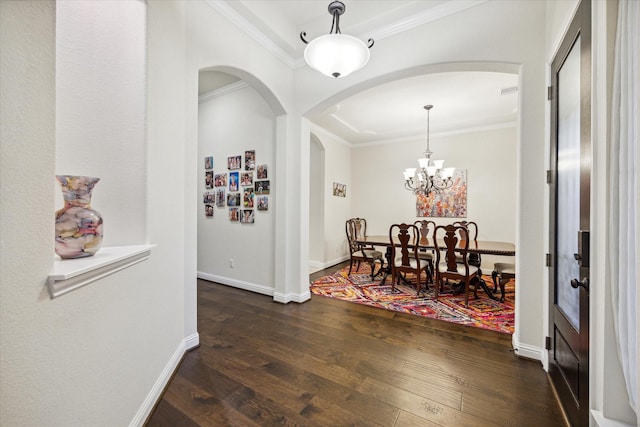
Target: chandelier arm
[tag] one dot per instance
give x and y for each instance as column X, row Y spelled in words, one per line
column 370, row 43
column 302, row 37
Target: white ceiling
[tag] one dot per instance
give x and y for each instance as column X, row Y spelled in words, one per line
column 389, row 112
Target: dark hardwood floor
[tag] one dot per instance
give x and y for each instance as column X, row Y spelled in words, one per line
column 333, row 363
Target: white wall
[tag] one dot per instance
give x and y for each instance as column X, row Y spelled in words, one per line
column 228, row 126
column 102, row 132
column 94, row 356
column 338, row 167
column 316, row 205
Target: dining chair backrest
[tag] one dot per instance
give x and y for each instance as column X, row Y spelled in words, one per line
column 404, row 244
column 426, row 227
column 456, row 242
column 355, row 228
column 472, row 228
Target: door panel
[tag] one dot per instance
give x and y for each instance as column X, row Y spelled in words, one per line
column 570, row 218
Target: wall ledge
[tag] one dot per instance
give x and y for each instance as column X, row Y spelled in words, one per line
column 71, row 274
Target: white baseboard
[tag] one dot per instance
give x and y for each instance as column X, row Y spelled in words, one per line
column 240, row 284
column 526, row 350
column 285, row 298
column 162, row 381
column 259, row 289
column 321, row 265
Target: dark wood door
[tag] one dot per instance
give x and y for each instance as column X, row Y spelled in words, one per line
column 570, row 215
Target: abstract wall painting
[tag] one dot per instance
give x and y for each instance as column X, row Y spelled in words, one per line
column 450, row 203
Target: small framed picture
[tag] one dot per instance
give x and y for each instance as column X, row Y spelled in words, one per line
column 263, row 203
column 208, row 179
column 234, row 214
column 247, row 198
column 220, row 180
column 262, row 187
column 220, row 197
column 208, row 197
column 234, row 162
column 339, row 190
column 262, row 172
column 208, row 162
column 208, row 210
column 246, row 179
column 233, row 199
column 247, row 216
column 250, row 160
column 233, row 181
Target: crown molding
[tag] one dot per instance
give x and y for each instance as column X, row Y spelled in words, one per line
column 430, row 15
column 239, row 21
column 225, row 90
column 421, row 136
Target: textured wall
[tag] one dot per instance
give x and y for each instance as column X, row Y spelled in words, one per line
column 90, row 357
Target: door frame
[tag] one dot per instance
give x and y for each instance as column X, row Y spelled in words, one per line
column 577, row 413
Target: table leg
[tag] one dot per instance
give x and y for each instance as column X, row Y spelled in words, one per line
column 474, row 259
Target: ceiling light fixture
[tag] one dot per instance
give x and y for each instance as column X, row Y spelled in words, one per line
column 429, row 178
column 336, row 54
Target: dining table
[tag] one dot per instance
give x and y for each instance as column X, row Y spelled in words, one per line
column 475, row 249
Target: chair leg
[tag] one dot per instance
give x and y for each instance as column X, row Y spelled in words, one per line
column 418, row 283
column 466, row 293
column 502, row 282
column 494, row 276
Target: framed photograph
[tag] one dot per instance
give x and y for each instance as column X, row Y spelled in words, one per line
column 220, row 193
column 250, row 160
column 247, row 198
column 262, row 172
column 450, row 203
column 247, row 216
column 208, row 162
column 234, row 214
column 208, row 197
column 262, row 187
column 208, row 179
column 208, row 210
column 263, row 203
column 233, row 199
column 220, row 180
column 339, row 190
column 233, row 181
column 246, row 179
column 234, row 162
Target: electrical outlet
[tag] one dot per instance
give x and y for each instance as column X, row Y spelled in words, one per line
column 231, row 265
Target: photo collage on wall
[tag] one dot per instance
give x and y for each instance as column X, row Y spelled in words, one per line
column 244, row 189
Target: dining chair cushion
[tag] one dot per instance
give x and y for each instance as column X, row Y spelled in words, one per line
column 426, row 255
column 369, row 253
column 412, row 262
column 442, row 268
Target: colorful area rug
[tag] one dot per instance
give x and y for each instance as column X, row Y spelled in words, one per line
column 482, row 313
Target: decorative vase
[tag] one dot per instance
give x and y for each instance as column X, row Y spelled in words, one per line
column 78, row 227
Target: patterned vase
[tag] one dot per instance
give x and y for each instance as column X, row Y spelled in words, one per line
column 78, row 227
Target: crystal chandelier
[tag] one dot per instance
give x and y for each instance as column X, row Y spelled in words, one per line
column 336, row 54
column 431, row 176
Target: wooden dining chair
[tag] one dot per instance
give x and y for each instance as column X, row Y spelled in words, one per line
column 356, row 229
column 456, row 241
column 426, row 228
column 472, row 231
column 404, row 254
